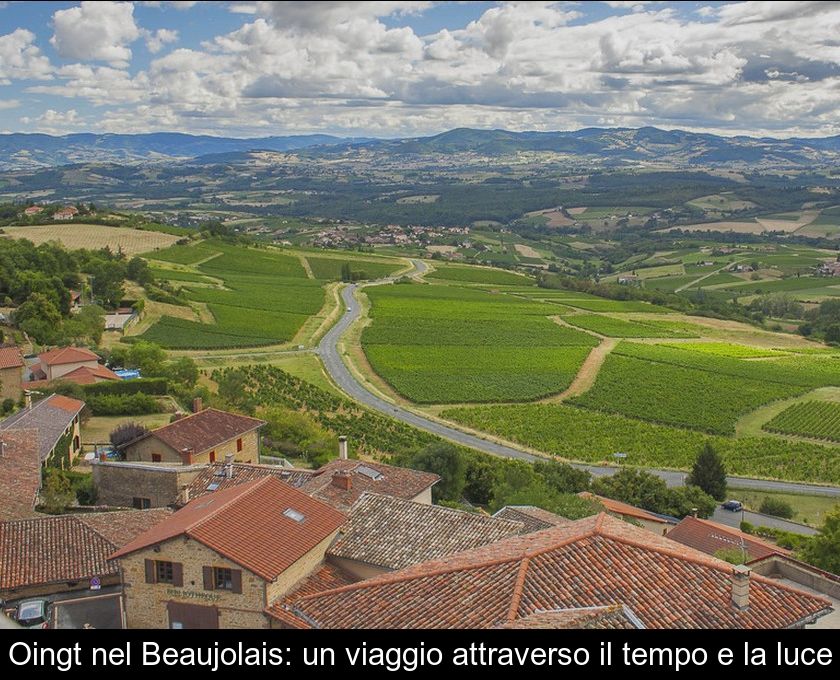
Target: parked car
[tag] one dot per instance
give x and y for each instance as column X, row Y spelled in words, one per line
column 734, row 506
column 33, row 614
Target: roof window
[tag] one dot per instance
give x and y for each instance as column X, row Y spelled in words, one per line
column 293, row 514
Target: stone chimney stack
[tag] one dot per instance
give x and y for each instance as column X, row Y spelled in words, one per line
column 741, row 586
column 343, row 480
column 27, row 398
column 229, row 466
column 198, row 404
column 342, row 447
column 185, row 494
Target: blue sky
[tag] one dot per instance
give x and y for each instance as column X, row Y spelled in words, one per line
column 248, row 68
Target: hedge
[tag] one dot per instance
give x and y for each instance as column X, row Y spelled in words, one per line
column 139, row 385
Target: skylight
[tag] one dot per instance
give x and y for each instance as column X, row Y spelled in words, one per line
column 293, row 514
column 213, row 486
column 375, row 475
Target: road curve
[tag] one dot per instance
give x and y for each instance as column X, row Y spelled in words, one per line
column 347, row 382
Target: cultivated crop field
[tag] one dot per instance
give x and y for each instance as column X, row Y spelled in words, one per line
column 816, row 419
column 94, row 236
column 445, row 344
column 726, row 349
column 477, row 275
column 619, row 328
column 596, row 304
column 329, row 268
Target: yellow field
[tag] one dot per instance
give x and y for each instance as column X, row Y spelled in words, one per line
column 94, row 236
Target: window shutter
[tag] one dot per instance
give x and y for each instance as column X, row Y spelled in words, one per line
column 150, row 571
column 236, row 580
column 177, row 574
column 208, row 578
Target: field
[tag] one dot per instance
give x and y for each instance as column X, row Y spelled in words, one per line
column 726, row 349
column 465, row 345
column 806, row 509
column 595, row 304
column 619, row 328
column 329, row 268
column 815, row 419
column 477, row 275
column 94, row 236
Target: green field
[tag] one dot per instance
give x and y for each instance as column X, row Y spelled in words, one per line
column 442, row 344
column 329, row 268
column 619, row 328
column 189, row 254
column 726, row 349
column 596, row 304
column 478, row 274
column 816, row 419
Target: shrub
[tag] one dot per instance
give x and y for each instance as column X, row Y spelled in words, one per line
column 122, row 404
column 776, row 507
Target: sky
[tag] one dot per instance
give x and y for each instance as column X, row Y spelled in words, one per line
column 403, row 69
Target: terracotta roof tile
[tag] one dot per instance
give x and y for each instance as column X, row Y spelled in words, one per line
column 67, row 355
column 123, row 526
column 86, row 375
column 392, row 533
column 709, row 537
column 532, row 518
column 612, row 617
column 204, row 430
column 594, row 562
column 50, row 417
column 20, row 474
column 10, row 357
column 215, row 475
column 65, row 547
column 247, row 524
column 624, row 509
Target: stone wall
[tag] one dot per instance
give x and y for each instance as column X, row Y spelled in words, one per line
column 117, row 484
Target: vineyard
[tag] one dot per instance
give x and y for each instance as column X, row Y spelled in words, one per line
column 330, row 268
column 816, row 419
column 184, row 254
column 677, row 395
column 616, row 306
column 589, row 436
column 619, row 328
column 477, row 275
column 726, row 349
column 438, row 344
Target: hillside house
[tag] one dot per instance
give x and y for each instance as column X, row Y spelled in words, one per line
column 829, row 269
column 658, row 524
column 66, row 213
column 33, row 210
column 200, row 569
column 57, row 421
column 11, row 372
column 712, row 537
column 596, row 562
column 58, row 362
column 207, row 436
column 20, row 474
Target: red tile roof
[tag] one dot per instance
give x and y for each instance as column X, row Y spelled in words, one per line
column 20, row 474
column 66, row 547
column 531, row 517
column 247, row 524
column 391, row 533
column 214, row 477
column 613, row 617
column 86, row 375
column 49, row 417
column 67, row 355
column 10, row 357
column 595, row 562
column 204, row 430
column 624, row 509
column 709, row 537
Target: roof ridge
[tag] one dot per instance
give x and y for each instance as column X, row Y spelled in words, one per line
column 438, row 508
column 518, row 588
column 732, row 531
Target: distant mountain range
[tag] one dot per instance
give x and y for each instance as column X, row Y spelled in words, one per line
column 615, row 145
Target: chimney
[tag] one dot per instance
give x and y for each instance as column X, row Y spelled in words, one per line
column 694, row 513
column 198, row 404
column 103, row 456
column 185, row 494
column 342, row 448
column 343, row 480
column 741, row 586
column 229, row 465
column 28, row 398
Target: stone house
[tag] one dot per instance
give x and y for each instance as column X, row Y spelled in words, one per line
column 57, row 421
column 11, row 372
column 221, row 560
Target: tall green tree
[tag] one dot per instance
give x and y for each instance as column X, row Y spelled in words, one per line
column 445, row 460
column 823, row 550
column 709, row 473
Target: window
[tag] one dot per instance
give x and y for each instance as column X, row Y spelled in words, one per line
column 239, row 445
column 142, row 503
column 156, row 458
column 222, row 579
column 293, row 514
column 164, row 572
column 212, row 456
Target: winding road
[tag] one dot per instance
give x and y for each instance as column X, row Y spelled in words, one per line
column 348, row 383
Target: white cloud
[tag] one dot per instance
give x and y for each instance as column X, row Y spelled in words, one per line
column 157, row 39
column 54, row 122
column 21, row 59
column 96, row 31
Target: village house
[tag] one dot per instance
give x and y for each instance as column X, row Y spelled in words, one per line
column 829, row 269
column 11, row 372
column 66, row 213
column 596, row 562
column 221, row 560
column 57, row 420
column 20, row 473
column 206, row 436
column 658, row 524
column 712, row 538
column 62, row 553
column 58, row 362
column 33, row 210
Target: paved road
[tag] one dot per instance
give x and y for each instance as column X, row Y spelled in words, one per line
column 733, row 519
column 341, row 375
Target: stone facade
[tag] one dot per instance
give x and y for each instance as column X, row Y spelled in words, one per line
column 119, row 484
column 151, row 449
column 10, row 383
column 146, row 603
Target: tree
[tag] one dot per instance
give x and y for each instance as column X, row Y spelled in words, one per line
column 776, row 507
column 126, row 432
column 39, row 318
column 823, row 550
column 146, row 356
column 182, row 370
column 57, row 494
column 346, row 272
column 562, row 477
column 709, row 473
column 445, row 460
column 649, row 492
column 87, row 324
column 138, row 270
column 297, row 434
column 481, row 478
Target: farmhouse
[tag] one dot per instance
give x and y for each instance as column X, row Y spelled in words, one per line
column 20, row 473
column 33, row 210
column 56, row 419
column 711, row 537
column 659, row 524
column 629, row 280
column 59, row 554
column 11, row 372
column 599, row 561
column 220, row 561
column 829, row 269
column 58, row 362
column 203, row 437
column 67, row 213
